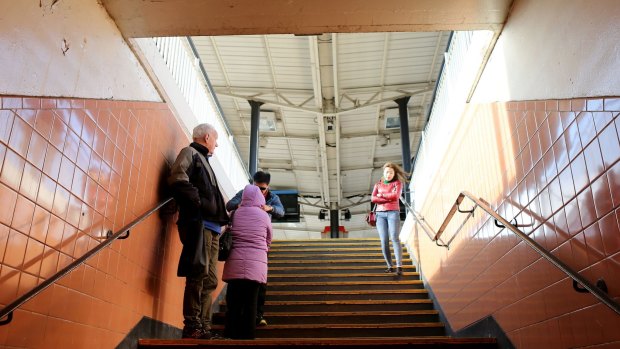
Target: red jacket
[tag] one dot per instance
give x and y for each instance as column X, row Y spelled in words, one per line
column 386, row 195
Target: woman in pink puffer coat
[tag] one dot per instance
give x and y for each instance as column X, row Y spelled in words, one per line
column 246, row 267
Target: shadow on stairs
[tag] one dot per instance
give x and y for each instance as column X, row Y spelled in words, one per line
column 334, row 294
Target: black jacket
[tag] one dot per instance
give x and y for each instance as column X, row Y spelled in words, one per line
column 198, row 196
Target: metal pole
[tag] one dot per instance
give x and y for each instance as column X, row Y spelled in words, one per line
column 403, row 112
column 253, row 164
column 334, row 215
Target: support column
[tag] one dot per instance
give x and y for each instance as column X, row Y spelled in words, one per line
column 253, row 164
column 405, row 144
column 334, row 216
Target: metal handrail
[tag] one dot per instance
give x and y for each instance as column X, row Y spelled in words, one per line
column 121, row 234
column 422, row 222
column 597, row 291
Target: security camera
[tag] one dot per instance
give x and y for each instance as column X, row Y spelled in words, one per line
column 330, row 123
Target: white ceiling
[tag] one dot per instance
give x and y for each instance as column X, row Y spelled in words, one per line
column 308, row 82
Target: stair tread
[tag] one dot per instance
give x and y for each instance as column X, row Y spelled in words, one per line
column 322, row 244
column 365, row 292
column 336, row 283
column 347, row 301
column 329, row 261
column 365, row 248
column 325, row 241
column 349, row 313
column 353, row 267
column 344, row 326
column 286, row 342
column 341, row 275
column 307, row 255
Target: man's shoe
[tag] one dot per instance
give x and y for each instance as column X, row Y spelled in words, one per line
column 399, row 271
column 389, row 270
column 192, row 333
column 262, row 322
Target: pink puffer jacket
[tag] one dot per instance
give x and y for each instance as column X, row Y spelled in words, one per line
column 251, row 235
column 386, row 195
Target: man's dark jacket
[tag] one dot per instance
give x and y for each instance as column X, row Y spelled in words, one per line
column 197, row 194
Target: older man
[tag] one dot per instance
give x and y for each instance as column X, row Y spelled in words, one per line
column 202, row 213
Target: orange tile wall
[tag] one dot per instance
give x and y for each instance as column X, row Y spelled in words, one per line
column 553, row 165
column 69, row 171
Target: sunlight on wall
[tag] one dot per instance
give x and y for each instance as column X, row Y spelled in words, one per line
column 462, row 63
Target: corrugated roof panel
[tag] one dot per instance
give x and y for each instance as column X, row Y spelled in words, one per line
column 362, row 61
column 355, row 181
column 360, row 118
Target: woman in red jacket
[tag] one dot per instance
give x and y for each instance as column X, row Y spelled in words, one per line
column 385, row 195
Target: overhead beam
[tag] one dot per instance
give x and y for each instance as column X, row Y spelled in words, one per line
column 378, row 91
column 284, row 105
column 373, row 102
column 299, row 91
column 266, row 164
column 393, row 133
column 140, row 18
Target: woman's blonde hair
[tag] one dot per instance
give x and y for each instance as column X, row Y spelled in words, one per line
column 399, row 173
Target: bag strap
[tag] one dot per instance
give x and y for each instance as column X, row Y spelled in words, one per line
column 232, row 214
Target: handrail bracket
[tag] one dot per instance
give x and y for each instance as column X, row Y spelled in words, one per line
column 9, row 318
column 467, row 211
column 109, row 234
column 600, row 284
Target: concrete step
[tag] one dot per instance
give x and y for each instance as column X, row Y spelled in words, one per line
column 362, row 317
column 322, row 251
column 330, row 256
column 333, row 269
column 344, row 305
column 435, row 342
column 326, row 242
column 315, row 248
column 351, row 295
column 348, row 330
column 377, row 262
column 345, row 285
column 341, row 276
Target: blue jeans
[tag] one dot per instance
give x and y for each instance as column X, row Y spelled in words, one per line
column 389, row 221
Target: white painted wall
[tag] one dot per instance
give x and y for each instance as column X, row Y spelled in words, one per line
column 231, row 174
column 555, row 49
column 97, row 63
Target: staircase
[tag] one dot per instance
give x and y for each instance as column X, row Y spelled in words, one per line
column 334, row 293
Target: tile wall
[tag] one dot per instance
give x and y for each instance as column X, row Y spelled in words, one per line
column 71, row 169
column 553, row 165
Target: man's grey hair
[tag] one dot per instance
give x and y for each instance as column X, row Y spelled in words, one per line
column 202, row 130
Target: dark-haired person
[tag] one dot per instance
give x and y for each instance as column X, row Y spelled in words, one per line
column 273, row 206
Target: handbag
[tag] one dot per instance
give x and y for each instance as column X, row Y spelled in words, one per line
column 371, row 218
column 226, row 241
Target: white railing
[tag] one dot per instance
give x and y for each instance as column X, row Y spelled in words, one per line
column 462, row 61
column 184, row 66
